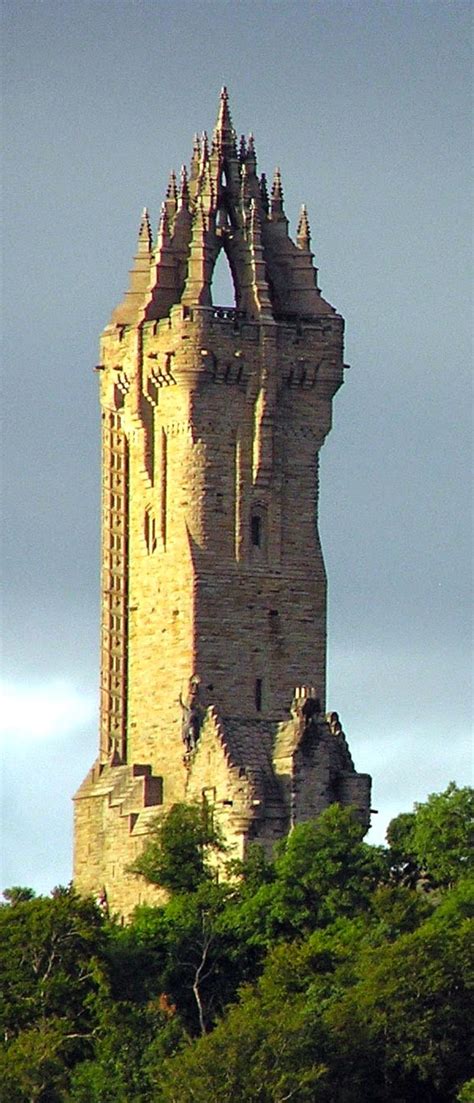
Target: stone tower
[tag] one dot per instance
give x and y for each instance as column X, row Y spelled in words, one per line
column 213, row 647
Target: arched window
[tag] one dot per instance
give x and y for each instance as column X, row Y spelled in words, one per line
column 222, row 283
column 256, row 530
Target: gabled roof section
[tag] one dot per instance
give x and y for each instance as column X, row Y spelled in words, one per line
column 221, row 203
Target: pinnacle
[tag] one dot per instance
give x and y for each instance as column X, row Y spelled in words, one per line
column 171, row 191
column 224, row 134
column 277, row 189
column 303, row 231
column 277, row 211
column 163, row 226
column 264, row 193
column 183, row 187
column 144, row 233
column 204, row 150
column 196, row 157
column 171, row 196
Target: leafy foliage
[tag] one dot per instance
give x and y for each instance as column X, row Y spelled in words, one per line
column 437, row 839
column 178, row 854
column 325, row 975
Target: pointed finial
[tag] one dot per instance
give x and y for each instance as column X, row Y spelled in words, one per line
column 277, row 189
column 144, row 234
column 303, row 233
column 251, row 158
column 264, row 193
column 199, row 219
column 204, row 151
column 224, row 133
column 277, row 195
column 242, row 147
column 183, row 198
column 171, row 196
column 171, row 191
column 163, row 234
column 196, row 157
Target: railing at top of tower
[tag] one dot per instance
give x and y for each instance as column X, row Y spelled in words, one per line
column 325, row 323
column 220, row 313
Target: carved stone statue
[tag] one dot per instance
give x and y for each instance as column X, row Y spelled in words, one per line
column 193, row 714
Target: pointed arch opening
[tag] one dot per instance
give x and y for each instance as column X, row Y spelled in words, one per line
column 223, row 289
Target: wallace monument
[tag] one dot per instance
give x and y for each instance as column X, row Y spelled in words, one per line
column 213, row 639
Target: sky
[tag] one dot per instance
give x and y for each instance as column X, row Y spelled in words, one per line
column 365, row 106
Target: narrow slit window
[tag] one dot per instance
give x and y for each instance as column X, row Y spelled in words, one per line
column 150, row 531
column 256, row 530
column 258, row 694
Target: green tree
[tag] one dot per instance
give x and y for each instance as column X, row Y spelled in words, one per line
column 18, row 894
column 51, row 960
column 443, row 835
column 436, row 840
column 179, row 854
column 130, row 1044
column 324, row 870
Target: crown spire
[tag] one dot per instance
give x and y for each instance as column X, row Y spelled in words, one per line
column 224, row 133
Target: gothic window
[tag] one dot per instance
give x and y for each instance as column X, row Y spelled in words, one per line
column 256, row 530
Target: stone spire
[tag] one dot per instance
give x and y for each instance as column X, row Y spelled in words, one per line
column 251, row 157
column 145, row 239
column 128, row 309
column 204, row 152
column 264, row 194
column 303, row 233
column 163, row 235
column 171, row 196
column 183, row 194
column 277, row 211
column 224, row 133
column 196, row 158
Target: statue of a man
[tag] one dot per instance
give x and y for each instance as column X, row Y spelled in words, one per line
column 193, row 713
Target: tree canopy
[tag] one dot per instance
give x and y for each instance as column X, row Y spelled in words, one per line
column 336, row 972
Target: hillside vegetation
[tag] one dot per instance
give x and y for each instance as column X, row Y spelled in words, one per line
column 337, row 973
